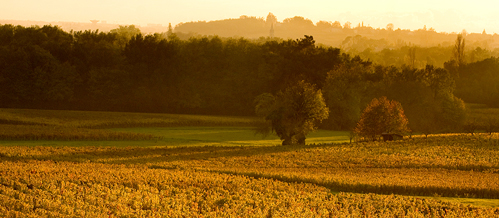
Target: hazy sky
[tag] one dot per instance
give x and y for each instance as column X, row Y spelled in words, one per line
column 442, row 15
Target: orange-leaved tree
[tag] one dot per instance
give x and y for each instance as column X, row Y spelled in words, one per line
column 382, row 116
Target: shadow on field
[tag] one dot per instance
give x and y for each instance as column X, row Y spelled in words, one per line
column 385, row 189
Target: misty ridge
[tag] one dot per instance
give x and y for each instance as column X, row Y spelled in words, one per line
column 330, row 33
column 380, row 45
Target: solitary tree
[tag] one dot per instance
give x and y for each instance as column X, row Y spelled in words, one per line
column 382, row 116
column 292, row 113
column 390, row 27
column 170, row 30
column 271, row 19
column 458, row 51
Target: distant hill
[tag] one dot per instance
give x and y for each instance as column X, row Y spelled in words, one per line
column 333, row 33
column 349, row 37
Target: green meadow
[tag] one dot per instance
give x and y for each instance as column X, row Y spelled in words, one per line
column 76, row 128
column 227, row 136
column 188, row 136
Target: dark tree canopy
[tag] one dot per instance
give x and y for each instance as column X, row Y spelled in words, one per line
column 292, row 113
column 124, row 70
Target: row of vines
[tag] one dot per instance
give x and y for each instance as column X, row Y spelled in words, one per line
column 281, row 181
column 64, row 189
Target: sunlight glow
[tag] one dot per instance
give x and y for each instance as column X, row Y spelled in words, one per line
column 443, row 16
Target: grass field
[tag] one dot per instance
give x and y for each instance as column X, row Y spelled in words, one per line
column 202, row 166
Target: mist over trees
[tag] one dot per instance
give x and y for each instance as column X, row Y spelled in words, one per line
column 124, row 70
column 386, row 46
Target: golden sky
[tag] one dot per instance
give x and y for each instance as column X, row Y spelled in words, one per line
column 442, row 15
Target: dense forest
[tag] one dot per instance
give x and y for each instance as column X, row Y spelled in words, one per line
column 124, row 70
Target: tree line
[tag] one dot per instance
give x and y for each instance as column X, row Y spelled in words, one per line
column 123, row 70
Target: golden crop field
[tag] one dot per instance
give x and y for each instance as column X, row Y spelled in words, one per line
column 406, row 178
column 61, row 189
